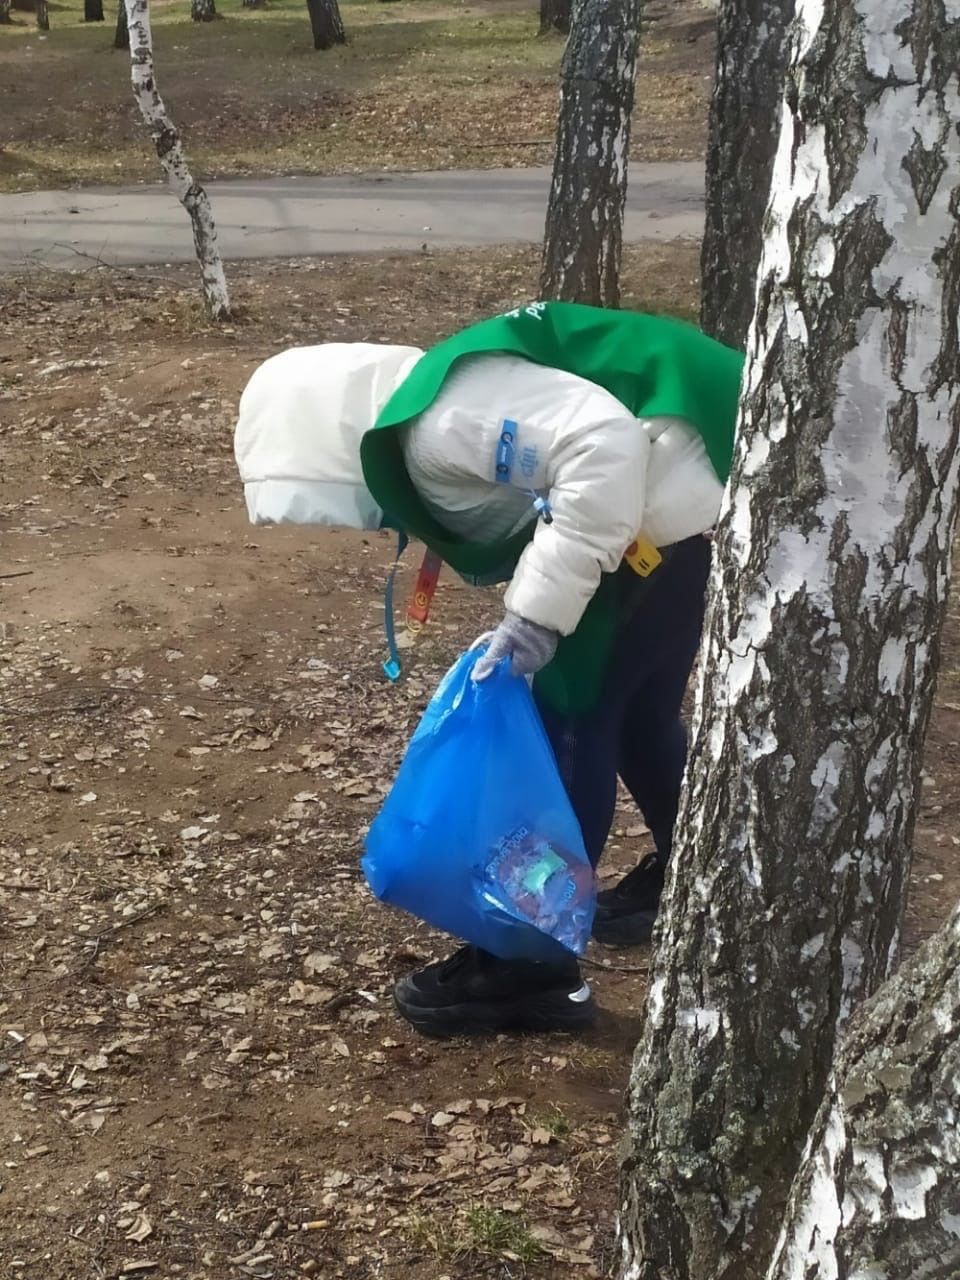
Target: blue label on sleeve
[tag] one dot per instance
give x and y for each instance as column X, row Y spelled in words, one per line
column 506, row 451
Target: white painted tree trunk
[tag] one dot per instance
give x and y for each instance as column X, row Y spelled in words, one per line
column 784, row 900
column 584, row 232
column 170, row 152
column 878, row 1194
column 744, row 127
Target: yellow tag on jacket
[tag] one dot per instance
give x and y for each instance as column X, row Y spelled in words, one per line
column 642, row 556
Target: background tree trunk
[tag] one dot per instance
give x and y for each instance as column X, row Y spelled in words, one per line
column 4, row 11
column 121, row 37
column 93, row 11
column 584, row 233
column 881, row 1177
column 744, row 117
column 203, row 10
column 784, row 901
column 43, row 15
column 326, row 23
column 555, row 16
column 172, row 160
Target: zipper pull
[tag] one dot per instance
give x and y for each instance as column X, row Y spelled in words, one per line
column 541, row 506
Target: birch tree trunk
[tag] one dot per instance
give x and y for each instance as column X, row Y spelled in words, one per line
column 584, row 232
column 121, row 37
column 555, row 17
column 203, row 10
column 784, row 900
column 880, row 1180
column 326, row 23
column 744, row 118
column 43, row 15
column 172, row 160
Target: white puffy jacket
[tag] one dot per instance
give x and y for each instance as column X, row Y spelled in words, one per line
column 606, row 475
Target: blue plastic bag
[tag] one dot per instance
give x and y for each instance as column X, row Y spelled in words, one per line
column 477, row 836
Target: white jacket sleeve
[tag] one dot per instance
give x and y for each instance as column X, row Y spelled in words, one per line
column 596, row 480
column 574, row 443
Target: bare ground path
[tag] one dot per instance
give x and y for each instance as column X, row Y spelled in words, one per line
column 283, row 217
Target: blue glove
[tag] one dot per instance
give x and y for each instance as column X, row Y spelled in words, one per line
column 528, row 646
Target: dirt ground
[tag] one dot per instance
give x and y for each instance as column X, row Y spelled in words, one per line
column 200, row 1071
column 422, row 84
column 200, row 1065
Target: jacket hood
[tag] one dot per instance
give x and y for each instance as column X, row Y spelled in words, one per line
column 301, row 419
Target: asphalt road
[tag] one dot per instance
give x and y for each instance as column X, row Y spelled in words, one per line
column 305, row 216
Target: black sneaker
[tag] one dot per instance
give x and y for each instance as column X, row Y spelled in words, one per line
column 474, row 992
column 626, row 914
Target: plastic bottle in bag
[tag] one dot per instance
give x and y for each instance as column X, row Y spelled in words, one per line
column 542, row 883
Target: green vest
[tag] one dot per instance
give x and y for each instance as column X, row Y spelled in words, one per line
column 655, row 366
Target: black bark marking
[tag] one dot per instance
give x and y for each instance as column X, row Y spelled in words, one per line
column 926, row 166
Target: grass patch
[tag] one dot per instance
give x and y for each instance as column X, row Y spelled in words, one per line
column 491, row 1231
column 553, row 1120
column 481, row 1231
column 420, row 85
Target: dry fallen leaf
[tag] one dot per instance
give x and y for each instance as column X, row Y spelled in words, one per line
column 546, row 1234
column 304, row 993
column 141, row 1229
column 403, row 1117
column 356, row 787
column 519, row 1154
column 459, row 1108
column 318, row 962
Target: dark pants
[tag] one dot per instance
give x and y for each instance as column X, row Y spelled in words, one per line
column 635, row 730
